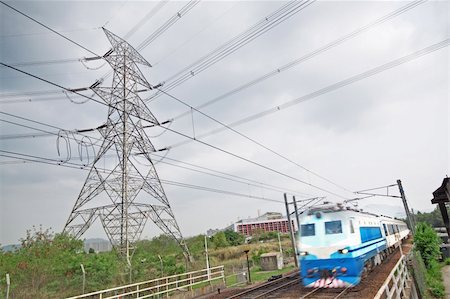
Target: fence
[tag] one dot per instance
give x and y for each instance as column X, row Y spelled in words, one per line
column 396, row 283
column 418, row 272
column 161, row 286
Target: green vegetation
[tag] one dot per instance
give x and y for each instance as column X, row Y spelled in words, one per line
column 433, row 218
column 427, row 245
column 47, row 265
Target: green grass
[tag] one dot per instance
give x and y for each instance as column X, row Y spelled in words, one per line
column 434, row 280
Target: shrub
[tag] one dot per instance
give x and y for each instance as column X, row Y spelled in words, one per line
column 427, row 243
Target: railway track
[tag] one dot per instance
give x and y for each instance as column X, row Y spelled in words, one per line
column 326, row 293
column 269, row 288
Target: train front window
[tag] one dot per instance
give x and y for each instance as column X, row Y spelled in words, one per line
column 333, row 227
column 308, row 230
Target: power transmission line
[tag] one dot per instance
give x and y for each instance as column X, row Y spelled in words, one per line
column 329, row 88
column 308, row 56
column 184, row 135
column 221, row 174
column 282, row 14
column 147, row 17
column 47, row 27
column 335, row 86
column 48, row 161
column 256, row 142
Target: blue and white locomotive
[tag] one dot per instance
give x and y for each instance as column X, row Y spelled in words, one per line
column 337, row 244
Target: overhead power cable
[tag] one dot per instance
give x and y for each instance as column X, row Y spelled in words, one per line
column 158, row 32
column 205, row 27
column 171, row 21
column 224, row 126
column 43, row 160
column 253, row 162
column 258, row 185
column 308, row 56
column 353, row 79
column 43, row 33
column 44, row 62
column 47, row 27
column 197, row 168
column 282, row 14
column 159, row 5
column 181, row 134
column 29, row 93
column 329, row 88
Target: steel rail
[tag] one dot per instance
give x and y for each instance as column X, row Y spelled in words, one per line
column 275, row 289
column 265, row 285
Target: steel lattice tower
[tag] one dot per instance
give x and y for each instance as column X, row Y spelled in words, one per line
column 128, row 192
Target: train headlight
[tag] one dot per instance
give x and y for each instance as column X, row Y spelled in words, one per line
column 303, row 253
column 343, row 251
column 343, row 269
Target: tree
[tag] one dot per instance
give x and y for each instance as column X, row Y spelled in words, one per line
column 234, row 238
column 434, row 218
column 220, row 240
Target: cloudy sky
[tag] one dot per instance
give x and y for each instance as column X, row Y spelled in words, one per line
column 332, row 125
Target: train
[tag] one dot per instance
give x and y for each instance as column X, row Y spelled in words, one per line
column 338, row 245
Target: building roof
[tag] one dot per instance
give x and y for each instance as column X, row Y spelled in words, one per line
column 442, row 193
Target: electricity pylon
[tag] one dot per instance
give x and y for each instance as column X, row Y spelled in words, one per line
column 124, row 193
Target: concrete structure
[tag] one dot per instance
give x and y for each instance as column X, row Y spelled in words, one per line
column 441, row 197
column 269, row 222
column 271, row 261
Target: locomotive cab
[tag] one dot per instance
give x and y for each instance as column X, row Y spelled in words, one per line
column 324, row 241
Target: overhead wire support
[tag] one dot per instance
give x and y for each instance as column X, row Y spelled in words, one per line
column 370, row 194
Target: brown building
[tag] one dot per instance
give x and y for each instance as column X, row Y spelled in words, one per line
column 269, row 222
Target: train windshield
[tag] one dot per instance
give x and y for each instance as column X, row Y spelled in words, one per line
column 333, row 227
column 308, row 230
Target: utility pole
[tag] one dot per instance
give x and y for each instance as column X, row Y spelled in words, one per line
column 296, row 213
column 371, row 193
column 248, row 267
column 291, row 231
column 407, row 210
column 207, row 258
column 84, row 277
column 279, row 244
